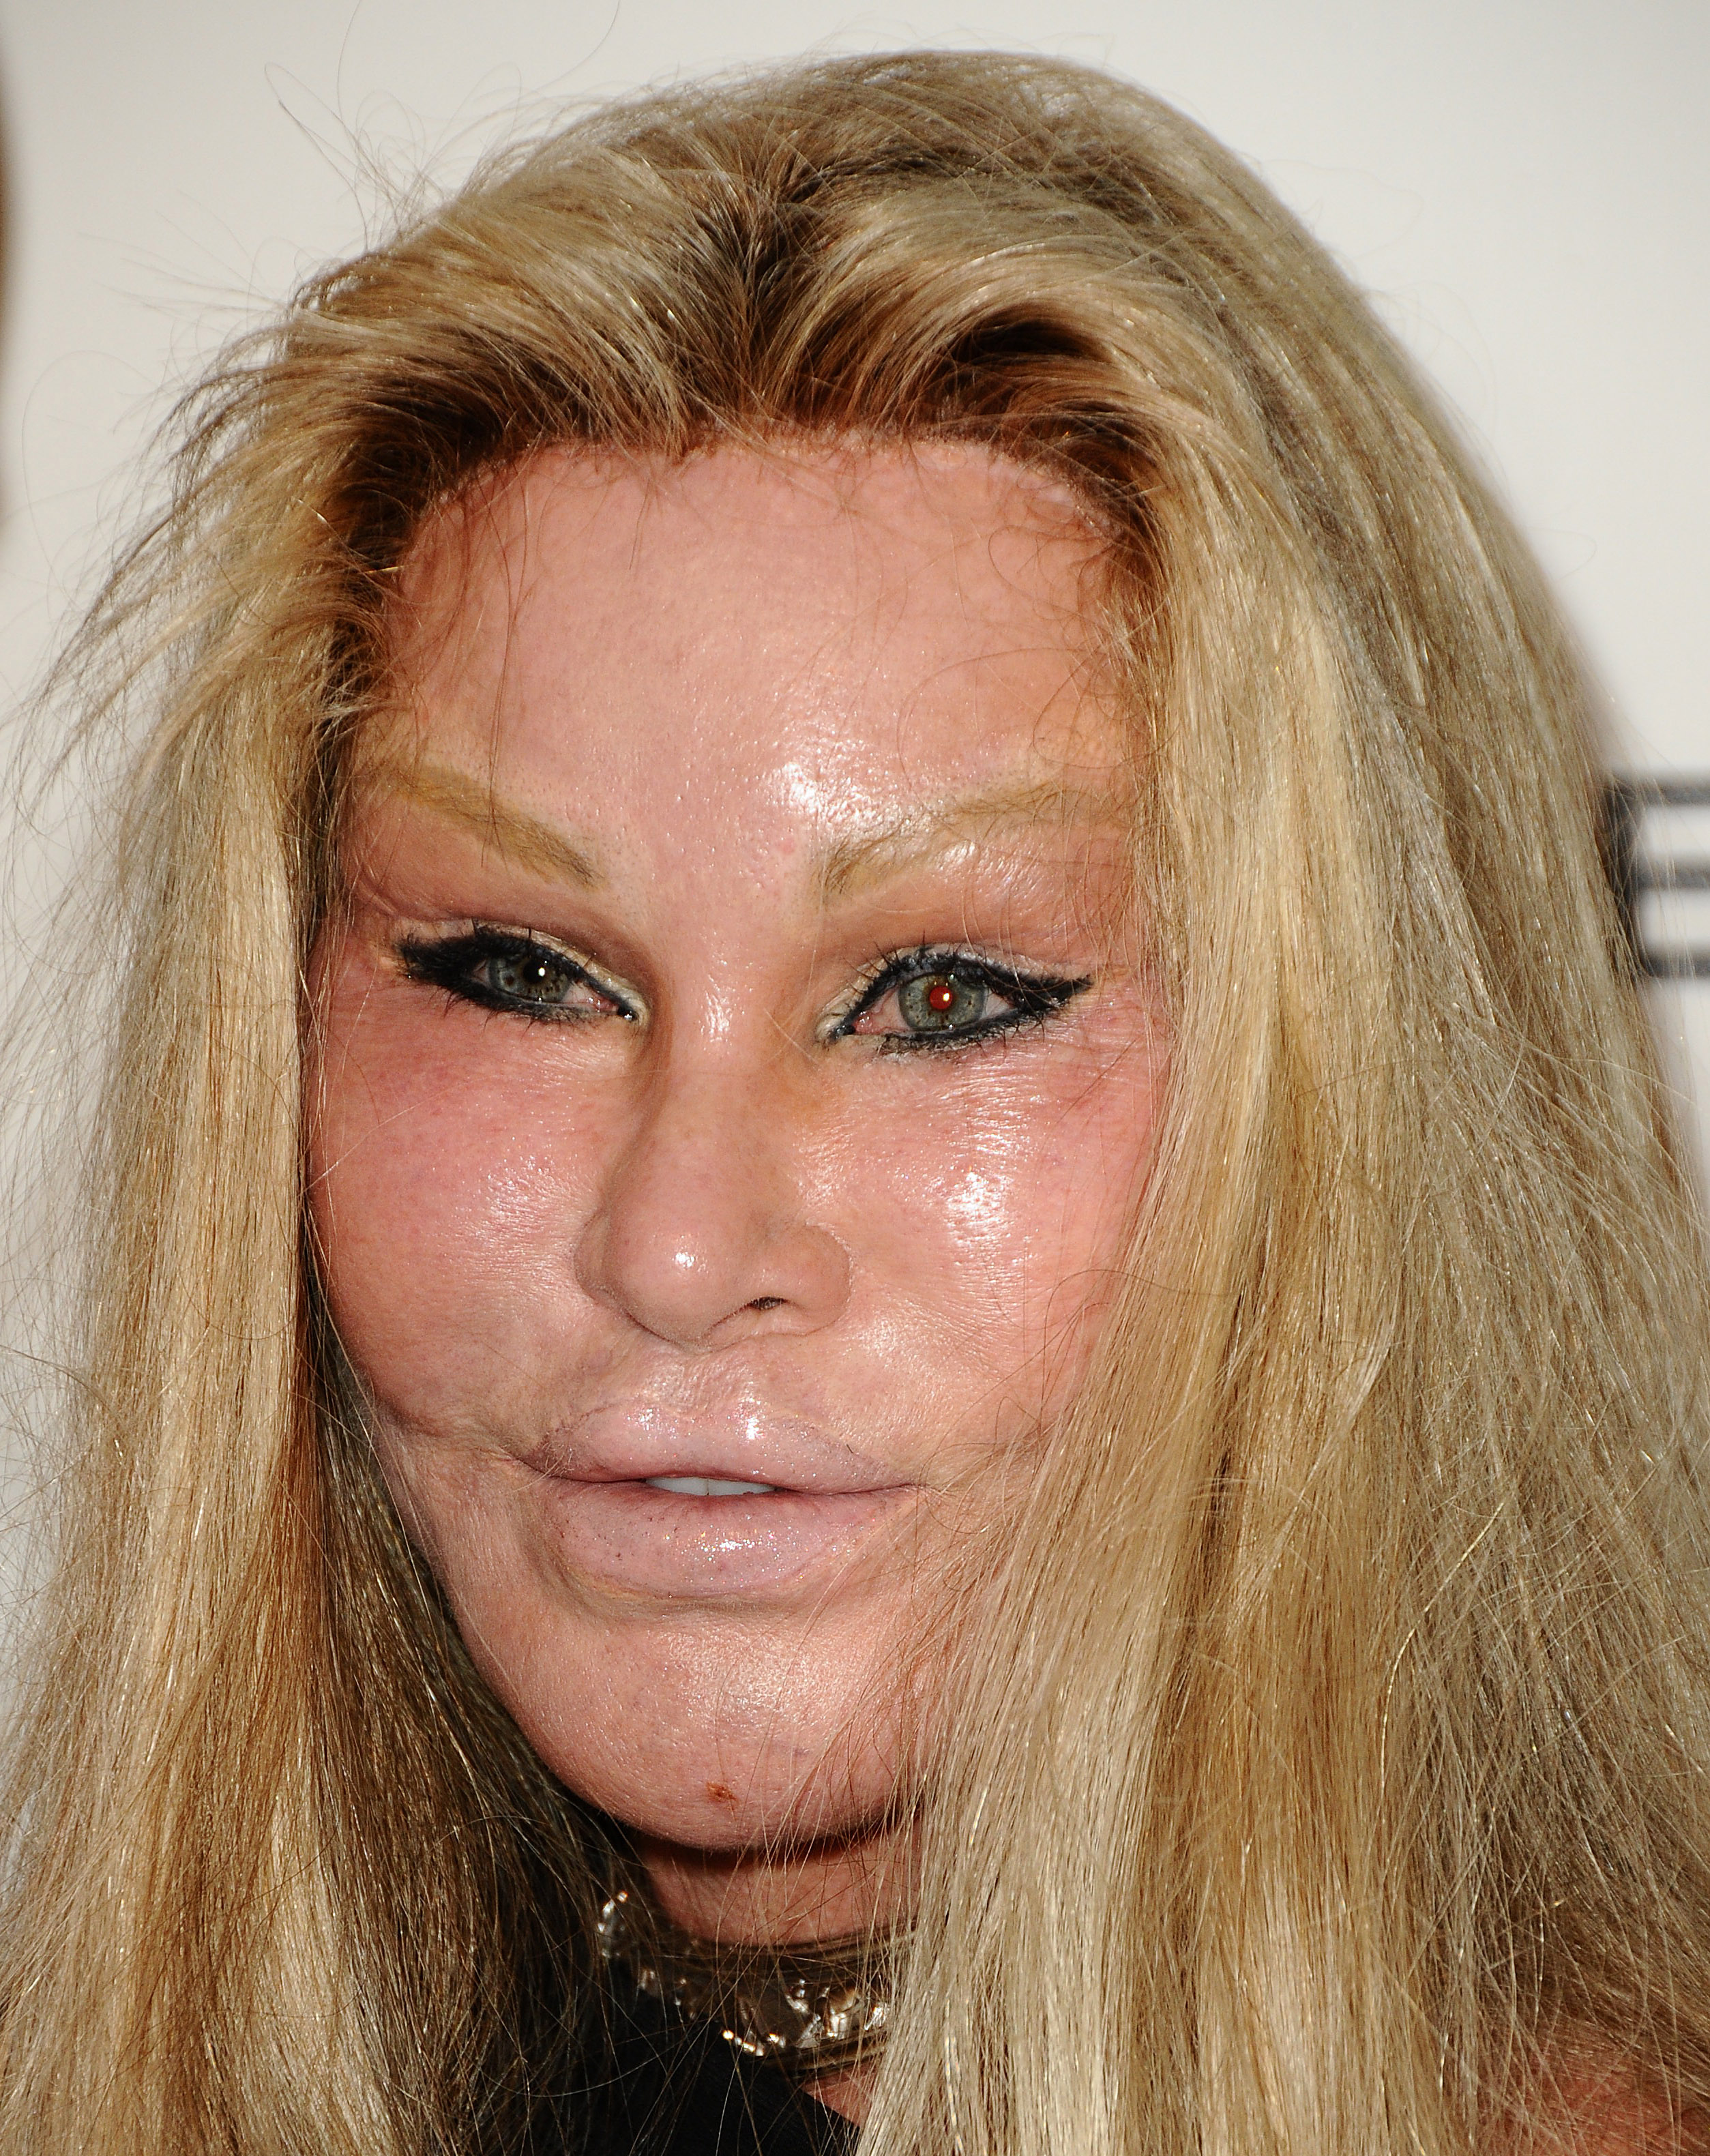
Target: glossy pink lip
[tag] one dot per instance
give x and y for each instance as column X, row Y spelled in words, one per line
column 824, row 1498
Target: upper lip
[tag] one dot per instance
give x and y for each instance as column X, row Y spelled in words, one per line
column 636, row 1439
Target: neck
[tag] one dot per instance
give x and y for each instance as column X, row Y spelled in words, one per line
column 826, row 1891
column 850, row 2094
column 787, row 1897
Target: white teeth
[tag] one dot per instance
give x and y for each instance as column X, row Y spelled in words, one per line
column 707, row 1485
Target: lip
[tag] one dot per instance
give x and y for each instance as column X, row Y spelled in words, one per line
column 823, row 1499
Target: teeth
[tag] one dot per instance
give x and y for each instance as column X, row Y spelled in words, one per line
column 707, row 1485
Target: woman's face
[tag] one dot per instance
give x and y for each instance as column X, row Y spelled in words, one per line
column 737, row 1070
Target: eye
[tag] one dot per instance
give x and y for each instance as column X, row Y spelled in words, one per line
column 944, row 1003
column 501, row 970
column 942, row 999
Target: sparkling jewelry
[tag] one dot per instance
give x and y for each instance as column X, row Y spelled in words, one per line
column 810, row 2010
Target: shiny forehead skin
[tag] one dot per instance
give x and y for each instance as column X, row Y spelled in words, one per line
column 858, row 584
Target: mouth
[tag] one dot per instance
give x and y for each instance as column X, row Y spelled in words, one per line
column 736, row 1449
column 734, row 1504
column 707, row 1485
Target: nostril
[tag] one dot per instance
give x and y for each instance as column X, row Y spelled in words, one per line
column 766, row 1302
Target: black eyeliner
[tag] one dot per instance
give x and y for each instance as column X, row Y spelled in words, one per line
column 449, row 963
column 1035, row 997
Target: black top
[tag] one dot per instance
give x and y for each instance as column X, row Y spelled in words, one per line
column 670, row 2087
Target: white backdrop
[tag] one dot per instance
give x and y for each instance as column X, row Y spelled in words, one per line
column 1524, row 183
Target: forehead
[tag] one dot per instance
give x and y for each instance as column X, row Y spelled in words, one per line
column 832, row 632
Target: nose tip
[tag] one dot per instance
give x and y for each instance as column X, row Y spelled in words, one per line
column 700, row 1237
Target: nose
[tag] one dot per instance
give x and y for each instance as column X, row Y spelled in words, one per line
column 700, row 1235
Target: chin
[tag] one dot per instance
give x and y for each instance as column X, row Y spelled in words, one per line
column 719, row 1752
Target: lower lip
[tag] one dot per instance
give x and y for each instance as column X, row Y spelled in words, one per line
column 654, row 1542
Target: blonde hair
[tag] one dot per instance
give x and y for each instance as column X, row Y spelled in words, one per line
column 1332, row 1773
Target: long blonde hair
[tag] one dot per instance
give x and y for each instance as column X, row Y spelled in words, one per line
column 1332, row 1770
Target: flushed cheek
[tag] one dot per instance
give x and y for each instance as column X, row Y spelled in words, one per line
column 447, row 1189
column 1002, row 1228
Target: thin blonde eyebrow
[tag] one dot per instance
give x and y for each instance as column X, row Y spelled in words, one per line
column 527, row 841
column 897, row 844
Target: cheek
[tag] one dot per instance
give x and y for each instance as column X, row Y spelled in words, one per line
column 998, row 1216
column 445, row 1190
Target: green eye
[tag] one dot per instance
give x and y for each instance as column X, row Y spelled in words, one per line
column 943, row 1002
column 533, row 977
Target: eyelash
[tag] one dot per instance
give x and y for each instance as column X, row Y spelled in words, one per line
column 451, row 963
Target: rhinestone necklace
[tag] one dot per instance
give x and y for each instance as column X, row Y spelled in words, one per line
column 810, row 2010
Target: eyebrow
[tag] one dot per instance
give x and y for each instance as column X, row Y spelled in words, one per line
column 527, row 840
column 888, row 847
column 897, row 844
